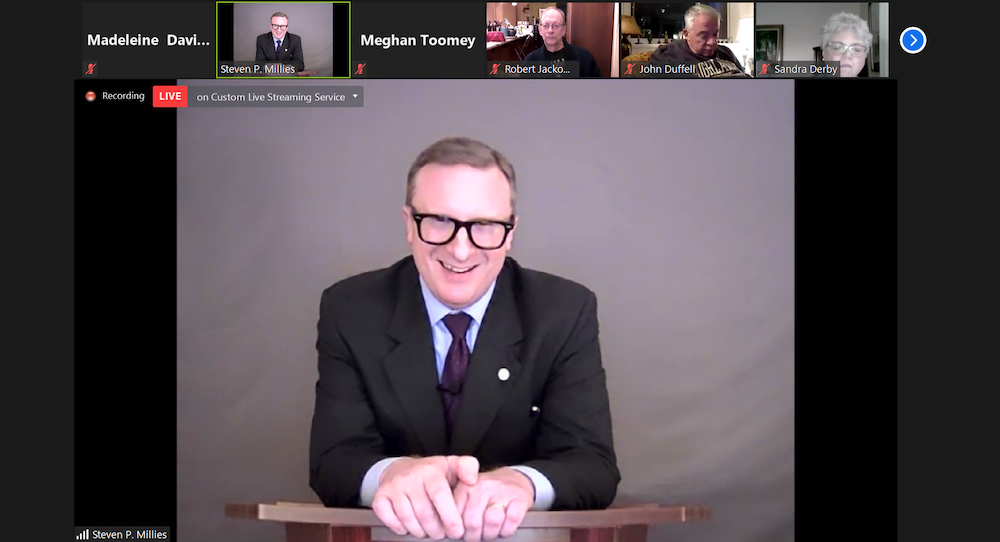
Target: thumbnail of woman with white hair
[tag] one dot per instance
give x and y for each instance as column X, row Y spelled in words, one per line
column 845, row 38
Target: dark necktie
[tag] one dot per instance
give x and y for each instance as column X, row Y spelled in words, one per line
column 456, row 363
column 277, row 49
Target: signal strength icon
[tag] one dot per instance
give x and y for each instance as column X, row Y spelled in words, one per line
column 85, row 535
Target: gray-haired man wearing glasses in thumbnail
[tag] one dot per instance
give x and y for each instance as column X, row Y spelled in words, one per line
column 458, row 390
column 279, row 45
column 555, row 48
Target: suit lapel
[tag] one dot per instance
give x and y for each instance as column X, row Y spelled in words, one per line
column 495, row 355
column 411, row 366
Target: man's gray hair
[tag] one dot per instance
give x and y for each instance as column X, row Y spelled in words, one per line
column 563, row 14
column 846, row 22
column 278, row 14
column 698, row 10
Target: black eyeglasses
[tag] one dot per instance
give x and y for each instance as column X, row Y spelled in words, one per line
column 279, row 26
column 441, row 230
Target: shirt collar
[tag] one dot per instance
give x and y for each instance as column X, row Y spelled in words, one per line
column 437, row 310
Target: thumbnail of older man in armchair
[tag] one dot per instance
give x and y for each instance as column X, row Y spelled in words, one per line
column 700, row 46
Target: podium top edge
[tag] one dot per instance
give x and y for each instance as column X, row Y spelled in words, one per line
column 617, row 516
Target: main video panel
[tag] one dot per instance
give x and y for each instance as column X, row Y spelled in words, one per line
column 618, row 186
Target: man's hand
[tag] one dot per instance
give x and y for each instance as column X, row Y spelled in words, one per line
column 495, row 506
column 415, row 495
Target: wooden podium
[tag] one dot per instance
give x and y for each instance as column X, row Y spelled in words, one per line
column 619, row 523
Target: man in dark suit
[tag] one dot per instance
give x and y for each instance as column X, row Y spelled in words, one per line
column 458, row 390
column 279, row 45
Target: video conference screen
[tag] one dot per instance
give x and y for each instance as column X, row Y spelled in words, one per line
column 720, row 176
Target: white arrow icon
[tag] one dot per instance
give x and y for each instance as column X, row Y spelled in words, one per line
column 355, row 95
column 917, row 38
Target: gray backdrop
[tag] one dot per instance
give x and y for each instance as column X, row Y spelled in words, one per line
column 312, row 22
column 673, row 200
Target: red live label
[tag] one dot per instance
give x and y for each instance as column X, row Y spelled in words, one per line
column 164, row 96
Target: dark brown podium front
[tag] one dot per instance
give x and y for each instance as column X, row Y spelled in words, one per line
column 620, row 523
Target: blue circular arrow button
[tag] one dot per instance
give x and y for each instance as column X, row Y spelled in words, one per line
column 913, row 40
